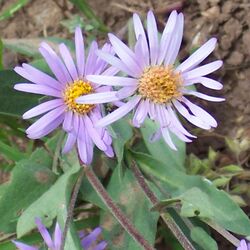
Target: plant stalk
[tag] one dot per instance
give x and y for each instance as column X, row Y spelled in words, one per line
column 71, row 208
column 115, row 210
column 169, row 221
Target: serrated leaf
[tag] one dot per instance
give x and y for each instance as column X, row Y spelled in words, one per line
column 160, row 150
column 128, row 195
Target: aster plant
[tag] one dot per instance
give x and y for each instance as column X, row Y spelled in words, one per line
column 118, row 99
column 77, row 120
column 155, row 85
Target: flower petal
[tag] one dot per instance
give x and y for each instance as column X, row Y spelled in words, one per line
column 102, row 97
column 126, row 92
column 112, row 80
column 205, row 81
column 68, row 60
column 202, row 70
column 91, row 59
column 22, row 246
column 37, row 89
column 80, row 52
column 44, row 232
column 126, row 54
column 42, row 108
column 68, row 121
column 141, row 113
column 167, row 138
column 198, row 56
column 167, row 36
column 152, row 37
column 70, row 142
column 36, row 76
column 87, row 241
column 203, row 96
column 57, row 236
column 118, row 113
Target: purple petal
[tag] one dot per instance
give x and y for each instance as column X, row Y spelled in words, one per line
column 57, row 237
column 36, row 76
column 68, row 121
column 152, row 37
column 96, row 98
column 191, row 118
column 151, row 110
column 139, row 31
column 37, row 89
column 23, row 246
column 110, row 71
column 68, row 60
column 139, row 53
column 203, row 96
column 70, row 142
column 116, row 62
column 94, row 134
column 118, row 113
column 175, row 41
column 207, row 82
column 109, row 152
column 243, row 245
column 44, row 233
column 55, row 63
column 90, row 150
column 167, row 36
column 101, row 246
column 126, row 92
column 91, row 59
column 202, row 70
column 79, row 46
column 76, row 122
column 177, row 124
column 45, row 120
column 202, row 114
column 140, row 113
column 167, row 138
column 112, row 80
column 81, row 143
column 42, row 108
column 87, row 241
column 126, row 55
column 198, row 56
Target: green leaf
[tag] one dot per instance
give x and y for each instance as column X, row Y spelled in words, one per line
column 198, row 196
column 12, row 9
column 83, row 6
column 30, row 178
column 13, row 102
column 11, row 153
column 121, row 133
column 51, row 204
column 203, row 239
column 128, row 195
column 160, row 150
column 1, row 54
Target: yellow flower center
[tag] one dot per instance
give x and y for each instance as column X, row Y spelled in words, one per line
column 74, row 90
column 160, row 84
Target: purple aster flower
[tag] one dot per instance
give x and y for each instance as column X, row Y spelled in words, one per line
column 156, row 86
column 243, row 245
column 87, row 241
column 69, row 83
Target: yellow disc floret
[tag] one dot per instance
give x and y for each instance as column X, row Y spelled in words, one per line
column 160, row 84
column 74, row 90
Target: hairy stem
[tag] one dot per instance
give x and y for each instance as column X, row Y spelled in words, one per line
column 71, row 207
column 224, row 233
column 115, row 210
column 171, row 224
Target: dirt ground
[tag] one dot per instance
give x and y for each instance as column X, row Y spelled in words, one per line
column 227, row 20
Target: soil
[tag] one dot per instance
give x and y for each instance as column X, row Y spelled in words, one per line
column 227, row 20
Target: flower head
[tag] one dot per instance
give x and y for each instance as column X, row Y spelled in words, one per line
column 243, row 245
column 69, row 83
column 87, row 241
column 156, row 87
